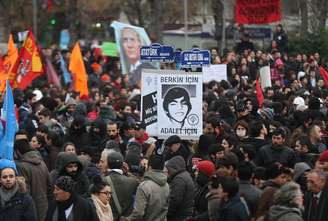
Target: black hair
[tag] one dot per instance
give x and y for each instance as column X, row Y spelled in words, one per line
column 279, row 131
column 156, row 162
column 304, row 140
column 256, row 127
column 229, row 185
column 174, row 93
column 245, row 170
column 45, row 112
column 97, row 185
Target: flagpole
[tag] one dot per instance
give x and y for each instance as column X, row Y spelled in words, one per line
column 35, row 19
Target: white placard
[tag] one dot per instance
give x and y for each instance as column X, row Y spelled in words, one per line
column 217, row 72
column 265, row 77
column 179, row 105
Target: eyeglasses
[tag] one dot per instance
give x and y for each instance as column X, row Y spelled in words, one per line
column 106, row 193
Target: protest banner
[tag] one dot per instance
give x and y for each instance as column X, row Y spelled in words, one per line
column 257, row 11
column 179, row 105
column 129, row 40
column 109, row 49
column 216, row 72
column 265, row 77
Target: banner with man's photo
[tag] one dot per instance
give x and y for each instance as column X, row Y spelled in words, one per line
column 179, row 104
column 129, row 40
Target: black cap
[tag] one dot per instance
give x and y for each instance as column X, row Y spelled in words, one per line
column 172, row 140
column 115, row 160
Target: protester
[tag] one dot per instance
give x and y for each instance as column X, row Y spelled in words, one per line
column 16, row 204
column 67, row 205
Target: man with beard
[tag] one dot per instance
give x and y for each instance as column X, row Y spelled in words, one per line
column 15, row 203
column 113, row 134
column 276, row 152
column 71, row 166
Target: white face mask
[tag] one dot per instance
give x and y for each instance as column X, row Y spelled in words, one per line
column 241, row 133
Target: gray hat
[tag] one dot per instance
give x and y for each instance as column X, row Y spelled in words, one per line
column 299, row 169
column 172, row 140
column 112, row 144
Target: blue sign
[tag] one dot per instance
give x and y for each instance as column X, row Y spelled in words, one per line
column 195, row 58
column 157, row 52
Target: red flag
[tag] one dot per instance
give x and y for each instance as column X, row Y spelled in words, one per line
column 28, row 65
column 257, row 12
column 52, row 74
column 259, row 93
column 324, row 75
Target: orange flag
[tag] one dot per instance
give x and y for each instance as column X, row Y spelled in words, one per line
column 77, row 69
column 8, row 63
column 28, row 65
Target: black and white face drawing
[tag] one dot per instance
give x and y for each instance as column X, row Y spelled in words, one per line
column 176, row 104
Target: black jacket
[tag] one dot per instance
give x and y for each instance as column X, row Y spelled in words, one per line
column 82, row 181
column 322, row 210
column 83, row 210
column 269, row 155
column 233, row 210
column 18, row 208
column 181, row 190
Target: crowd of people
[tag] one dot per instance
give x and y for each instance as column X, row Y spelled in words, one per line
column 90, row 157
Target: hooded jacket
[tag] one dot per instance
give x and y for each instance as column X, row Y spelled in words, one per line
column 181, row 190
column 82, row 182
column 152, row 198
column 36, row 175
column 283, row 213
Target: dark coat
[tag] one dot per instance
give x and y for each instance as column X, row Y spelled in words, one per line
column 269, row 155
column 250, row 193
column 126, row 188
column 322, row 210
column 83, row 210
column 36, row 175
column 81, row 179
column 181, row 190
column 18, row 208
column 233, row 210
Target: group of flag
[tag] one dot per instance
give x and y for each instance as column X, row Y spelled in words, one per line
column 18, row 69
column 22, row 67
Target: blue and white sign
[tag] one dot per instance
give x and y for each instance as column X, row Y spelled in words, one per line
column 195, row 58
column 157, row 52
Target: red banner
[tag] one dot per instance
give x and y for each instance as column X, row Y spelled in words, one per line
column 257, row 11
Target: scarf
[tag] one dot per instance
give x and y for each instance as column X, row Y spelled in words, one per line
column 6, row 195
column 63, row 206
column 104, row 212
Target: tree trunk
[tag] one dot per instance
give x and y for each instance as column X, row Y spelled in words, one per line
column 304, row 16
column 157, row 20
column 218, row 9
column 323, row 13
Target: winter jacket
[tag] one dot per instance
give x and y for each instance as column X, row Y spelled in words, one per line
column 283, row 213
column 181, row 190
column 125, row 188
column 81, row 179
column 152, row 198
column 36, row 175
column 250, row 193
column 83, row 210
column 269, row 155
column 19, row 208
column 234, row 209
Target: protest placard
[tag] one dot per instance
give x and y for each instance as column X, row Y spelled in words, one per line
column 109, row 49
column 179, row 105
column 216, row 72
column 265, row 76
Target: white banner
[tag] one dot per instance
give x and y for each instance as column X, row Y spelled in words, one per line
column 265, row 77
column 217, row 72
column 179, row 104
